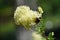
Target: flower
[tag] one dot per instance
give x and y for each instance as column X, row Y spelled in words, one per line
column 40, row 10
column 37, row 36
column 26, row 17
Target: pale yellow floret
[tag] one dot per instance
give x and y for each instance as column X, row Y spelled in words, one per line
column 37, row 36
column 40, row 9
column 52, row 33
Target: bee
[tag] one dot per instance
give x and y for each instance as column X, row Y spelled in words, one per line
column 26, row 17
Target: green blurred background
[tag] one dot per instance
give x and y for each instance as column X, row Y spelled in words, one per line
column 51, row 15
column 7, row 27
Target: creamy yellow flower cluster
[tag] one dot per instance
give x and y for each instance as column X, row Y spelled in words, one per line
column 26, row 17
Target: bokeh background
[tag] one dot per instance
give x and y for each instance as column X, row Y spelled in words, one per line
column 51, row 16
